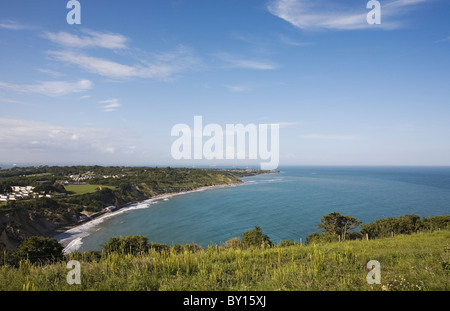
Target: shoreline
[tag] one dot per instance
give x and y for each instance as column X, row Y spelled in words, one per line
column 69, row 236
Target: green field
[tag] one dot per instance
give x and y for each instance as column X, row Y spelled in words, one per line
column 416, row 262
column 83, row 189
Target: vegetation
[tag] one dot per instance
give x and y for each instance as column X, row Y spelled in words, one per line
column 97, row 187
column 335, row 227
column 409, row 262
column 85, row 189
column 38, row 249
column 413, row 252
column 255, row 238
column 89, row 190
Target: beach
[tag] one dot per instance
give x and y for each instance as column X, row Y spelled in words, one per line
column 70, row 237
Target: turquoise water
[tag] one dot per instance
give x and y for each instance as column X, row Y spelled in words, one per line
column 288, row 205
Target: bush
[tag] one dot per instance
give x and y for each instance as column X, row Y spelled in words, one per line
column 90, row 256
column 132, row 244
column 159, row 247
column 40, row 249
column 286, row 243
column 313, row 238
column 255, row 237
column 233, row 243
column 193, row 248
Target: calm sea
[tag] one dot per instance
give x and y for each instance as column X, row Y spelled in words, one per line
column 287, row 206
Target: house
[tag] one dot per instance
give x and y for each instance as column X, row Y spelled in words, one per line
column 82, row 218
column 110, row 209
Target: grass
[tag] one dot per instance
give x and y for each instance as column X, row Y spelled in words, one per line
column 83, row 189
column 417, row 262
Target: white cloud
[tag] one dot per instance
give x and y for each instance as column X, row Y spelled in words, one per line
column 237, row 88
column 161, row 66
column 50, row 88
column 293, row 42
column 50, row 72
column 13, row 25
column 92, row 39
column 110, row 105
column 238, row 62
column 95, row 65
column 330, row 14
column 13, row 101
column 34, row 139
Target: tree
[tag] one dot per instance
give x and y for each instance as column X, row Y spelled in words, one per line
column 40, row 249
column 335, row 224
column 255, row 237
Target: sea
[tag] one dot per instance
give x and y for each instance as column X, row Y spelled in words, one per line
column 287, row 206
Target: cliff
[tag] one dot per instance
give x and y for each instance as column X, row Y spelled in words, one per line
column 17, row 225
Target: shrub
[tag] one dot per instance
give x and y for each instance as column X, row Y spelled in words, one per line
column 233, row 243
column 40, row 249
column 286, row 243
column 159, row 247
column 132, row 244
column 255, row 237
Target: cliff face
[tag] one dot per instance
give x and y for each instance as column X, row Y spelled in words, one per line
column 18, row 225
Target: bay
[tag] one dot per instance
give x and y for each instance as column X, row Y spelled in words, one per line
column 287, row 205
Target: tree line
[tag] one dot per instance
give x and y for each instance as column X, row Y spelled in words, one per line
column 337, row 227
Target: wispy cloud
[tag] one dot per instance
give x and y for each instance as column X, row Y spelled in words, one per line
column 13, row 25
column 289, row 41
column 110, row 105
column 330, row 14
column 50, row 72
column 233, row 61
column 238, row 88
column 18, row 136
column 49, row 88
column 90, row 39
column 13, row 101
column 331, row 137
column 444, row 40
column 161, row 66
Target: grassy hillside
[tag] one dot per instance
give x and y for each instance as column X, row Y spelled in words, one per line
column 408, row 262
column 83, row 189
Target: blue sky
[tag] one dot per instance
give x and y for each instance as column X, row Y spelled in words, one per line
column 109, row 91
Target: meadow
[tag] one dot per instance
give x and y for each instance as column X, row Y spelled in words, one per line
column 84, row 189
column 415, row 262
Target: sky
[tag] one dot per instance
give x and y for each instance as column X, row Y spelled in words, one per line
column 108, row 91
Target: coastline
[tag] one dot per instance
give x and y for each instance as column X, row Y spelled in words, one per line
column 70, row 236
